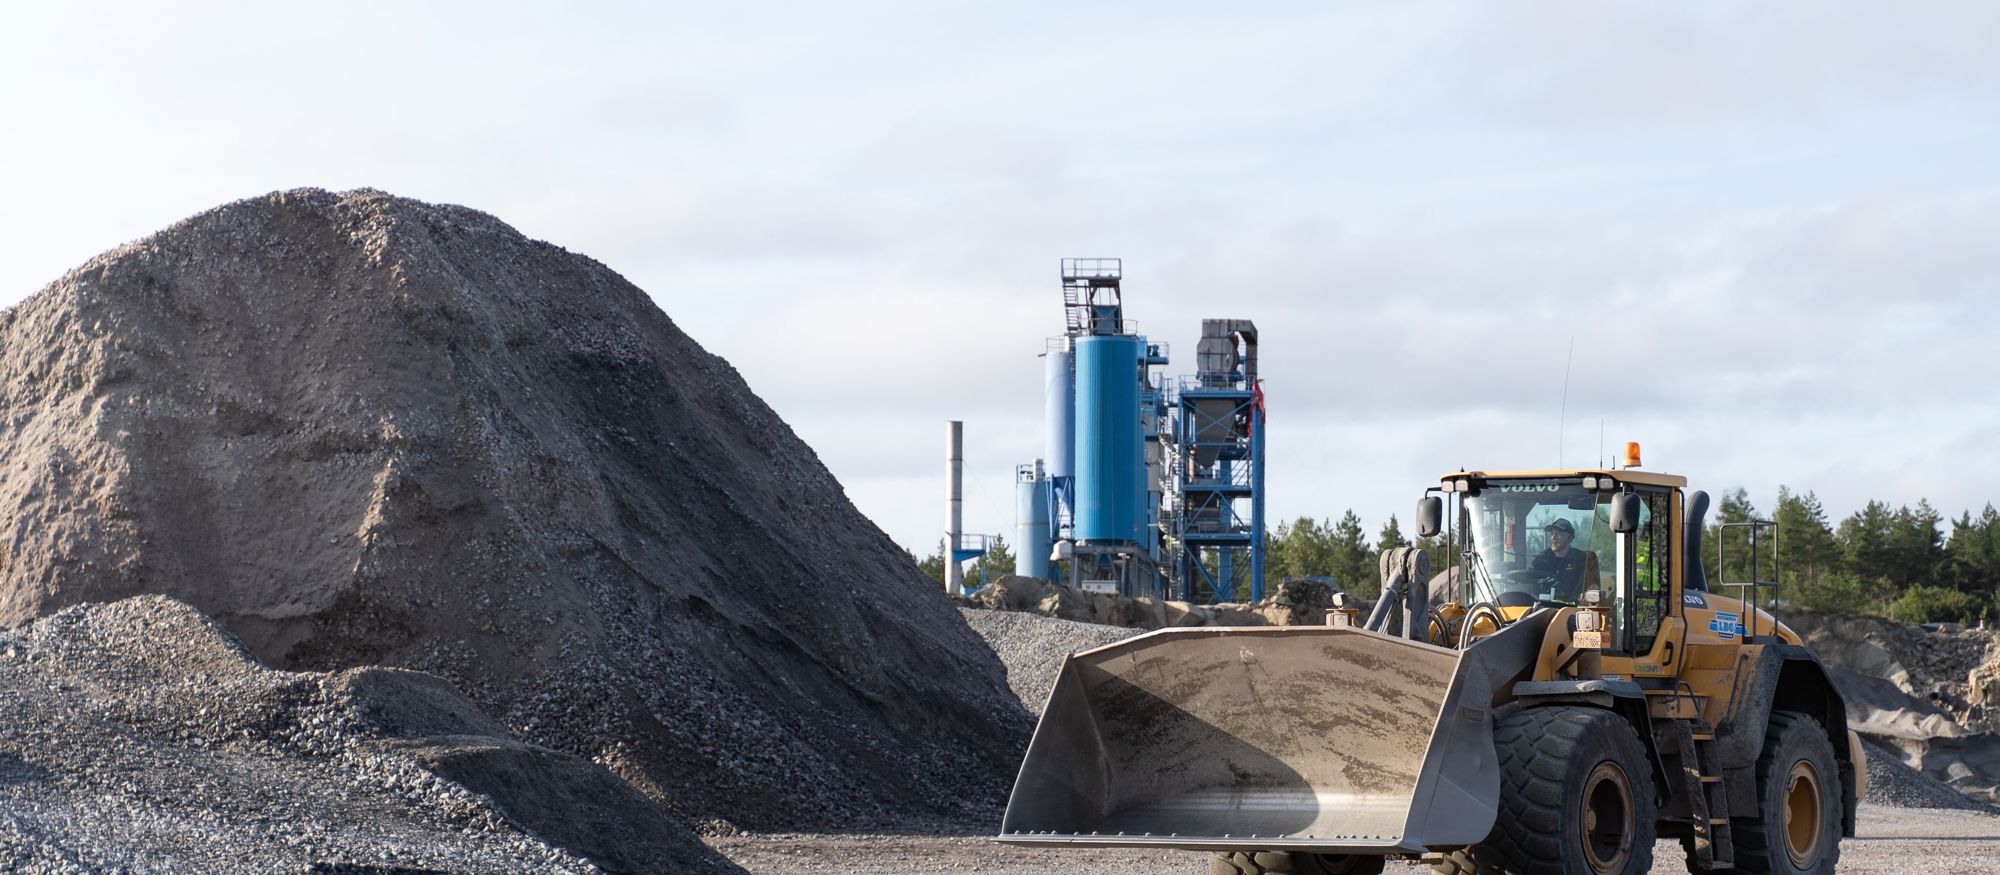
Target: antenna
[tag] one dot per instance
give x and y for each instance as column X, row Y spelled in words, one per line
column 1600, row 443
column 1562, row 417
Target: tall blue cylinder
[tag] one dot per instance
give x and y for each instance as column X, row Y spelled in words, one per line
column 1059, row 415
column 1110, row 450
column 1031, row 521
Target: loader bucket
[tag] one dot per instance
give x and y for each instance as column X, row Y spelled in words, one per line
column 1325, row 739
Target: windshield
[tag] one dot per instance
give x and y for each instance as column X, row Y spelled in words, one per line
column 1538, row 541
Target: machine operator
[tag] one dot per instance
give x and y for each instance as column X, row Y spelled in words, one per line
column 1569, row 570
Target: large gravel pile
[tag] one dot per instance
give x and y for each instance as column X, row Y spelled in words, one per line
column 358, row 429
column 1032, row 647
column 140, row 737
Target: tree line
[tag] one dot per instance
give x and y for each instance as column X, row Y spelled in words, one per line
column 1906, row 563
column 995, row 563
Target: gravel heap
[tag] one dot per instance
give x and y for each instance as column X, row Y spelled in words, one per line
column 1921, row 696
column 1890, row 782
column 140, row 736
column 357, row 429
column 1932, row 666
column 1291, row 603
column 1032, row 647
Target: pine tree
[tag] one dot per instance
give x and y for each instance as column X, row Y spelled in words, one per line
column 1972, row 554
column 1866, row 543
column 1353, row 563
column 1807, row 545
column 1735, row 508
column 997, row 562
column 1278, row 552
column 1392, row 536
column 1916, row 545
column 932, row 566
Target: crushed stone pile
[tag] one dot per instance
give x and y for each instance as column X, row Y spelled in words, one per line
column 1032, row 647
column 357, row 429
column 1936, row 667
column 142, row 737
column 1916, row 695
column 1293, row 603
column 1891, row 782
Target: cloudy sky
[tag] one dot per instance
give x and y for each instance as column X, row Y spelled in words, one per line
column 1772, row 229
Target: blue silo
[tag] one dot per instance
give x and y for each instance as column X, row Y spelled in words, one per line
column 1110, row 451
column 1059, row 438
column 1031, row 520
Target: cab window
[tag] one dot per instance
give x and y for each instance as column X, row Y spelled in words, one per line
column 1651, row 587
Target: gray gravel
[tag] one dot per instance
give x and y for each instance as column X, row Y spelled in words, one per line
column 358, row 429
column 139, row 737
column 1892, row 842
column 1032, row 647
column 1892, row 783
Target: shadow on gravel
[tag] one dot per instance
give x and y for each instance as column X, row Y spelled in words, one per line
column 14, row 770
column 564, row 800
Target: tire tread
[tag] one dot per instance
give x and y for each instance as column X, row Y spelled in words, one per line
column 1756, row 850
column 1538, row 751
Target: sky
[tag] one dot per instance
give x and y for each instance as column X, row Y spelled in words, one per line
column 1771, row 231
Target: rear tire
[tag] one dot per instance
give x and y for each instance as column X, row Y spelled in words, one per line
column 1294, row 863
column 1576, row 797
column 1796, row 830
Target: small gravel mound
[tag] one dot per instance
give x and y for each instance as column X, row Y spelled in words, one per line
column 1892, row 783
column 140, row 736
column 1032, row 647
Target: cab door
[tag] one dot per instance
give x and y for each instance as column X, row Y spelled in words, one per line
column 1647, row 628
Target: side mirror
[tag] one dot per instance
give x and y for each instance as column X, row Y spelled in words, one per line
column 1625, row 513
column 1430, row 516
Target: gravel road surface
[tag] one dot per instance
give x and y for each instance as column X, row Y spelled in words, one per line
column 1893, row 841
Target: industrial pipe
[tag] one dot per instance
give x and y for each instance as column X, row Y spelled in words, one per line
column 954, row 576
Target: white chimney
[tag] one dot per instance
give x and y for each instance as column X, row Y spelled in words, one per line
column 954, row 576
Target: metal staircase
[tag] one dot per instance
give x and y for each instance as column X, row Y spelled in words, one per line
column 1081, row 280
column 1708, row 802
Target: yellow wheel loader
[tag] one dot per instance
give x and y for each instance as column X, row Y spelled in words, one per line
column 1572, row 691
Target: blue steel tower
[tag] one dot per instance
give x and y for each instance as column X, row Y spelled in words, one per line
column 1216, row 502
column 1104, row 460
column 1148, row 486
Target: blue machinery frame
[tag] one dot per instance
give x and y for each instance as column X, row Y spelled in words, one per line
column 1160, row 492
column 1218, row 469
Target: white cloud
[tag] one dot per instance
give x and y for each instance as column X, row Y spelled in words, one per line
column 1766, row 225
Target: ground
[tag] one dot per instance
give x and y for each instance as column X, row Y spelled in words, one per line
column 1893, row 841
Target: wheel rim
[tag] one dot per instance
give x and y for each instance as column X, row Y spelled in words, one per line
column 1607, row 818
column 1802, row 814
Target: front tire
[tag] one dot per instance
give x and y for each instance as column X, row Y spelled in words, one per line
column 1576, row 797
column 1796, row 829
column 1294, row 863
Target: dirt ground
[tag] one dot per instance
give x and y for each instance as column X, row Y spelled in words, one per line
column 1893, row 841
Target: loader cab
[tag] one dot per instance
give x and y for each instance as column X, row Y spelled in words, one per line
column 1529, row 540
